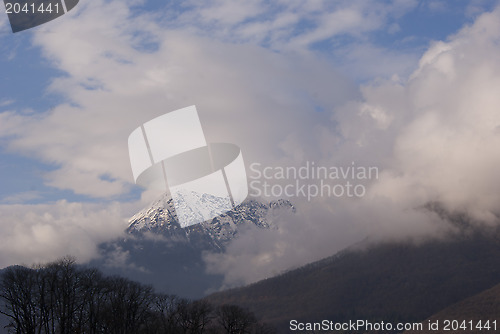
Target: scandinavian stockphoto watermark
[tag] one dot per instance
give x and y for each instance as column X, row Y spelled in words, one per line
column 170, row 153
column 311, row 180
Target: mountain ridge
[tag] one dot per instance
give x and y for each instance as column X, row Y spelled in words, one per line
column 158, row 251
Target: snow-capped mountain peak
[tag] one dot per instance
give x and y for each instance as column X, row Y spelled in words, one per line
column 161, row 218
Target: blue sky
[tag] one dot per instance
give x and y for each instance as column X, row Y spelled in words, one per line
column 288, row 81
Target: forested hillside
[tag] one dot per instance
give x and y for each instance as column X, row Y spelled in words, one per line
column 385, row 282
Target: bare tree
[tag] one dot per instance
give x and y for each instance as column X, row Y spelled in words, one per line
column 164, row 309
column 193, row 316
column 127, row 306
column 63, row 281
column 63, row 298
column 235, row 320
column 17, row 289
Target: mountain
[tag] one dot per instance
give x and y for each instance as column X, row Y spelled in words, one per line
column 476, row 314
column 158, row 251
column 160, row 219
column 393, row 281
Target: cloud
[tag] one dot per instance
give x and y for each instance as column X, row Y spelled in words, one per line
column 343, row 28
column 446, row 151
column 127, row 66
column 437, row 6
column 5, row 102
column 111, row 87
column 289, row 24
column 225, row 12
column 367, row 61
column 117, row 257
column 21, row 197
column 435, row 138
column 317, row 230
column 122, row 69
column 43, row 232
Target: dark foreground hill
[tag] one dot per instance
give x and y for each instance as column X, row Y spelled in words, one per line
column 389, row 282
column 477, row 314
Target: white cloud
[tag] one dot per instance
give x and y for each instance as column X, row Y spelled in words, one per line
column 113, row 83
column 366, row 61
column 21, row 197
column 120, row 258
column 226, row 12
column 443, row 130
column 435, row 138
column 112, row 87
column 6, row 102
column 295, row 24
column 318, row 230
column 41, row 233
column 437, row 6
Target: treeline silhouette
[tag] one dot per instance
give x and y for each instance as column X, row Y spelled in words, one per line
column 64, row 298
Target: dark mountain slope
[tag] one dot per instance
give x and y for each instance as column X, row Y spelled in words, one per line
column 388, row 282
column 482, row 309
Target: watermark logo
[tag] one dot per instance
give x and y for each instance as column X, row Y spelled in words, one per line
column 170, row 153
column 26, row 14
column 311, row 180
